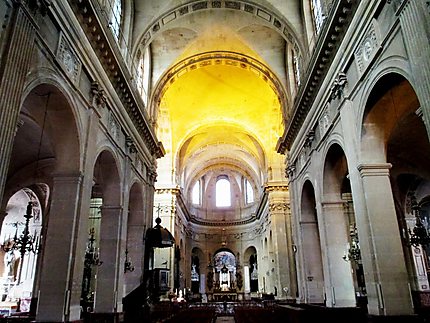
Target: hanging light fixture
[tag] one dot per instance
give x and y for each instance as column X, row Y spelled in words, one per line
column 354, row 253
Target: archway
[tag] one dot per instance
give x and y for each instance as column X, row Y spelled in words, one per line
column 19, row 264
column 251, row 270
column 311, row 246
column 404, row 145
column 225, row 271
column 339, row 280
column 136, row 226
column 107, row 191
column 46, row 159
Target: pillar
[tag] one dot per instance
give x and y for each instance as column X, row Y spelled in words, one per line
column 386, row 275
column 340, row 284
column 55, row 302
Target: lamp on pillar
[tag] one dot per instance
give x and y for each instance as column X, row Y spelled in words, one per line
column 128, row 265
column 418, row 236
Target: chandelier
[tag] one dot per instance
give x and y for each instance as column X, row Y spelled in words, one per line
column 25, row 242
column 353, row 253
column 91, row 252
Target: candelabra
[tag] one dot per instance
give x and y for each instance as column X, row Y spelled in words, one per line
column 128, row 265
column 26, row 242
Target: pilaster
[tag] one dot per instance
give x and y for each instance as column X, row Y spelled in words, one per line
column 414, row 22
column 339, row 283
column 107, row 294
column 13, row 70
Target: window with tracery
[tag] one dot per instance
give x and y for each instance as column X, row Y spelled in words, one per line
column 222, row 192
column 318, row 14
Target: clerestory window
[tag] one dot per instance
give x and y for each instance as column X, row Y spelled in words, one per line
column 249, row 192
column 222, row 191
column 317, row 11
column 115, row 8
column 195, row 195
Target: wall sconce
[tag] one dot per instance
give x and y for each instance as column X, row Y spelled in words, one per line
column 128, row 265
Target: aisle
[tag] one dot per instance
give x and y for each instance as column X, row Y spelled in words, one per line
column 224, row 319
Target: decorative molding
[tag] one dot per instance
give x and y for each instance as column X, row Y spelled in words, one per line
column 217, row 223
column 279, row 206
column 114, row 126
column 324, row 122
column 276, row 187
column 129, row 142
column 379, row 169
column 368, row 47
column 68, row 59
column 338, row 87
column 117, row 71
column 98, row 97
column 290, row 170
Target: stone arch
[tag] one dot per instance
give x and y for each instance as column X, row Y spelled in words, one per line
column 311, row 245
column 107, row 187
column 136, row 227
column 394, row 117
column 250, row 262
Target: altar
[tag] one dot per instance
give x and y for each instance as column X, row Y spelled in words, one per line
column 225, row 296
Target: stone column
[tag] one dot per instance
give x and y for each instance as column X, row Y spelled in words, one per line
column 386, row 277
column 414, row 23
column 15, row 64
column 106, row 296
column 283, row 262
column 57, row 274
column 340, row 283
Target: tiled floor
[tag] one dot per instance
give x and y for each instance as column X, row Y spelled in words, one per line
column 224, row 319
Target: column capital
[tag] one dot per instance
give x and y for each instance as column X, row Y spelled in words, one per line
column 74, row 178
column 376, row 169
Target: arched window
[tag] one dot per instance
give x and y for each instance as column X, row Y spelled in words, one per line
column 195, row 195
column 115, row 8
column 249, row 192
column 317, row 11
column 223, row 197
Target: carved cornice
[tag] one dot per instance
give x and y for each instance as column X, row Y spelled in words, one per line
column 331, row 36
column 117, row 72
column 275, row 187
column 279, row 207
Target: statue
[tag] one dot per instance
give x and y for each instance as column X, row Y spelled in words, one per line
column 9, row 264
